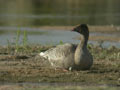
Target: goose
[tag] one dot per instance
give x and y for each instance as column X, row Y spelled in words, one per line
column 71, row 56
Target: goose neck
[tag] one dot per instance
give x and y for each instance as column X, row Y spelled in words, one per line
column 81, row 47
column 83, row 41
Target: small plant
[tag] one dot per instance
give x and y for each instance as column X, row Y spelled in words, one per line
column 25, row 39
column 17, row 40
column 61, row 42
column 9, row 46
column 8, row 42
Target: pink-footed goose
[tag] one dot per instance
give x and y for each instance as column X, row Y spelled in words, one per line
column 70, row 56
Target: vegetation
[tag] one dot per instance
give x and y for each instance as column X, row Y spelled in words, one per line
column 17, row 40
column 20, row 62
column 27, row 66
column 20, row 42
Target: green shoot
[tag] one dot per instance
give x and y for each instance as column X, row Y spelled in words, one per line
column 61, row 42
column 25, row 38
column 17, row 40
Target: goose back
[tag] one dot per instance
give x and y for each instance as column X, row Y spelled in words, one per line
column 61, row 56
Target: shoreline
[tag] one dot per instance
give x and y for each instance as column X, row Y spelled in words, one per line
column 108, row 29
column 104, row 28
column 104, row 33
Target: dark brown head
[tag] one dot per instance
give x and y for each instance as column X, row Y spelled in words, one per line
column 82, row 29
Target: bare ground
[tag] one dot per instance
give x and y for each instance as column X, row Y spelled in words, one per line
column 26, row 66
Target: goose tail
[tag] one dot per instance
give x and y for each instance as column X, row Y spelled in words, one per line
column 42, row 54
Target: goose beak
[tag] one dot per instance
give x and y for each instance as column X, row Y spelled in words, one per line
column 73, row 30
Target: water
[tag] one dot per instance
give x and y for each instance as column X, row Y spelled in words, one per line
column 27, row 14
column 59, row 12
column 30, row 14
column 51, row 37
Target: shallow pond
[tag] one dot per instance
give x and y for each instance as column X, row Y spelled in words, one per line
column 52, row 37
column 34, row 13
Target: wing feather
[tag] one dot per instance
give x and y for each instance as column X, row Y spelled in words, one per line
column 59, row 52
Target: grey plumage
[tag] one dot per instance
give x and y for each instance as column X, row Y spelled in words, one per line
column 69, row 56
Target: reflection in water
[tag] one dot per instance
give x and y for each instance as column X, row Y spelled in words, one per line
column 59, row 12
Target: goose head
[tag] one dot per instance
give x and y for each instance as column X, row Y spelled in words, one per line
column 82, row 29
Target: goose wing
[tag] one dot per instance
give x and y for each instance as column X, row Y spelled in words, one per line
column 59, row 52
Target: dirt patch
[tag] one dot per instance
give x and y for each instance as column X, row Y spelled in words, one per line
column 11, row 87
column 27, row 66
